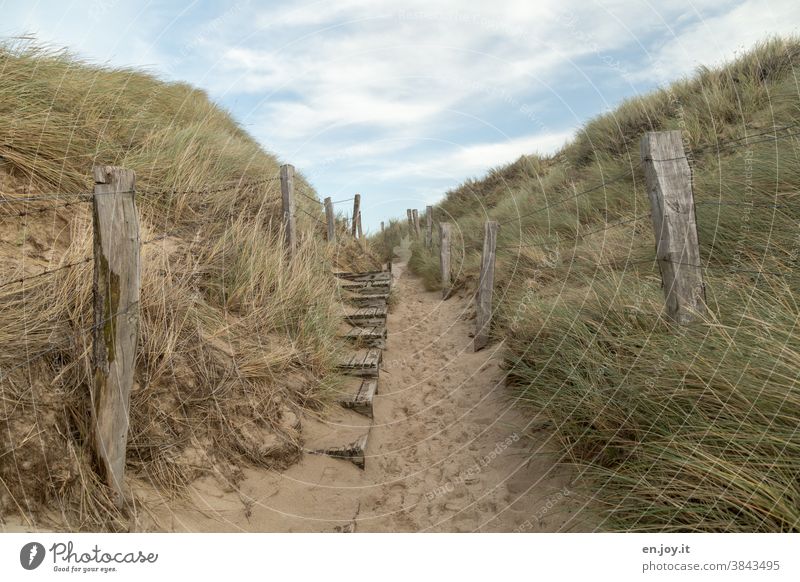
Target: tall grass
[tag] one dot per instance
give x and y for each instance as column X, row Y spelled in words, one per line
column 235, row 339
column 685, row 429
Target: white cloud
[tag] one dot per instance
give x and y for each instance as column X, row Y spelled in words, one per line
column 390, row 89
column 475, row 159
column 716, row 39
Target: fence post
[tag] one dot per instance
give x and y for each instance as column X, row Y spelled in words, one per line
column 116, row 318
column 330, row 221
column 410, row 221
column 287, row 194
column 483, row 300
column 444, row 257
column 428, row 226
column 669, row 187
column 415, row 220
column 361, row 233
column 356, row 213
column 381, row 226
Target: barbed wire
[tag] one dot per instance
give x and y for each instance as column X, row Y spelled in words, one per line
column 5, row 373
column 727, row 144
column 343, row 200
column 47, row 272
column 300, row 191
column 231, row 186
column 9, row 198
column 752, row 143
column 160, row 237
column 571, row 265
column 605, row 183
column 730, row 269
column 748, row 204
column 42, row 210
column 576, row 237
column 310, row 215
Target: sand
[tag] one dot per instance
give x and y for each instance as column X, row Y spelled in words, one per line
column 447, row 450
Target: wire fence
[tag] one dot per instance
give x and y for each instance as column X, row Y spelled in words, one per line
column 759, row 137
column 75, row 198
column 62, row 200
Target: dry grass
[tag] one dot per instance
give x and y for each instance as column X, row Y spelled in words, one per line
column 689, row 429
column 235, row 340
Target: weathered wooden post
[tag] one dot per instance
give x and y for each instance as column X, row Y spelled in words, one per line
column 444, row 257
column 428, row 226
column 330, row 220
column 116, row 318
column 669, row 187
column 361, row 234
column 287, row 194
column 356, row 213
column 415, row 220
column 410, row 221
column 483, row 300
column 381, row 226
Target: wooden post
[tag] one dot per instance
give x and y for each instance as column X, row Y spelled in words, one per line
column 361, row 233
column 330, row 220
column 444, row 257
column 428, row 226
column 410, row 221
column 669, row 187
column 415, row 219
column 287, row 193
column 483, row 300
column 381, row 226
column 116, row 318
column 356, row 213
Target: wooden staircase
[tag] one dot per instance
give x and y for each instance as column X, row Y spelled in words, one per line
column 365, row 297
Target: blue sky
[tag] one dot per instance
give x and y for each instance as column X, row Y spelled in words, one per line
column 401, row 101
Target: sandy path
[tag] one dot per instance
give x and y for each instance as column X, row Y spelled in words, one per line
column 446, row 452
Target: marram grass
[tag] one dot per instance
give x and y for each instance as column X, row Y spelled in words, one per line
column 234, row 338
column 670, row 428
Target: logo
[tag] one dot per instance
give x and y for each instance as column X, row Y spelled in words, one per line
column 31, row 555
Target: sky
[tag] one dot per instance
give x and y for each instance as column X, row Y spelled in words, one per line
column 403, row 100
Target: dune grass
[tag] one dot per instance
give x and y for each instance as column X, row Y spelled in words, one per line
column 235, row 339
column 671, row 429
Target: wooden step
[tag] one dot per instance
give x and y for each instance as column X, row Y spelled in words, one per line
column 366, row 276
column 340, row 433
column 365, row 315
column 377, row 300
column 362, row 363
column 355, row 452
column 366, row 287
column 373, row 336
column 360, row 399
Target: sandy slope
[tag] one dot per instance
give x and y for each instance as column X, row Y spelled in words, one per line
column 446, row 451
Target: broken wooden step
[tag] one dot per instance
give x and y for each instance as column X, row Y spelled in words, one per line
column 359, row 397
column 346, row 274
column 372, row 336
column 366, row 287
column 376, row 300
column 366, row 276
column 354, row 452
column 340, row 433
column 365, row 315
column 362, row 363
